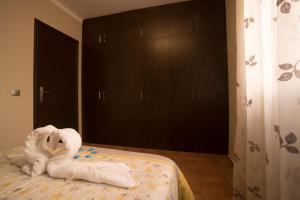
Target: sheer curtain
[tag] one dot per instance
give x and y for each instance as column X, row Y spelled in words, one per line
column 266, row 148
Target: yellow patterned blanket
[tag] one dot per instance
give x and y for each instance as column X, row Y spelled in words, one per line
column 159, row 179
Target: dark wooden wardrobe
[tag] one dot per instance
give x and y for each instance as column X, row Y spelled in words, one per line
column 157, row 78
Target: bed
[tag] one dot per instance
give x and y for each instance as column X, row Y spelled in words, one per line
column 159, row 179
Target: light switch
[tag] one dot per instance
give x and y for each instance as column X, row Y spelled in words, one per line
column 15, row 92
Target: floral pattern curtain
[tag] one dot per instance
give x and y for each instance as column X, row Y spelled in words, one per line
column 267, row 144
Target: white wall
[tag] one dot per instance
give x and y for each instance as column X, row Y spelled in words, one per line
column 16, row 62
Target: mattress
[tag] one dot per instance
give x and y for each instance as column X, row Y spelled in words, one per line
column 159, row 178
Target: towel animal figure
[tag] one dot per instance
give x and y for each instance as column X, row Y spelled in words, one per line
column 66, row 143
column 37, row 152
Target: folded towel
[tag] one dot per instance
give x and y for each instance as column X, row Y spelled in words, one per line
column 36, row 152
column 18, row 159
column 52, row 150
column 62, row 165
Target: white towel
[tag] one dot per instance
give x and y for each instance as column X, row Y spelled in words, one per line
column 18, row 159
column 62, row 165
column 37, row 152
column 52, row 150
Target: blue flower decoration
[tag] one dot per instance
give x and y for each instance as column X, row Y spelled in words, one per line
column 93, row 152
column 88, row 156
column 91, row 149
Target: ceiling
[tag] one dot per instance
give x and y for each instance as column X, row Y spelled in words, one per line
column 93, row 8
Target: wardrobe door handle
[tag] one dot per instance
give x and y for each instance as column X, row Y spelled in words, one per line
column 142, row 95
column 99, row 94
column 104, row 38
column 104, row 95
column 141, row 32
column 100, row 38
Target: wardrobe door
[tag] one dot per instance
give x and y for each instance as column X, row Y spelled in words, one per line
column 210, row 97
column 132, row 95
column 156, row 66
column 109, row 95
column 202, row 87
column 90, row 93
column 146, row 63
column 102, row 95
column 209, row 79
column 199, row 93
column 181, row 103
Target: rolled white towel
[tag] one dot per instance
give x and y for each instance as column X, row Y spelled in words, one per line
column 62, row 165
column 36, row 152
column 117, row 174
column 18, row 159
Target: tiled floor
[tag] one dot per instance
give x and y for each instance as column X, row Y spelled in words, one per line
column 210, row 176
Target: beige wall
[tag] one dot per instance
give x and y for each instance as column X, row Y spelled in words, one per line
column 232, row 58
column 16, row 61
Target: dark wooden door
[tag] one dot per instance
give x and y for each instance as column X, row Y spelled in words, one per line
column 209, row 89
column 132, row 95
column 209, row 79
column 156, row 68
column 91, row 96
column 55, row 78
column 181, row 103
column 102, row 94
column 131, row 113
column 199, row 101
column 101, row 91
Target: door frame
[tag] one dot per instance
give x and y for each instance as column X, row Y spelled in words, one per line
column 37, row 24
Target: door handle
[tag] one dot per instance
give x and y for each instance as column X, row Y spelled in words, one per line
column 100, row 38
column 142, row 95
column 141, row 32
column 42, row 93
column 104, row 95
column 147, row 94
column 99, row 94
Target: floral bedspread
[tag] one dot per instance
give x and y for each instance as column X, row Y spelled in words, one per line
column 159, row 178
